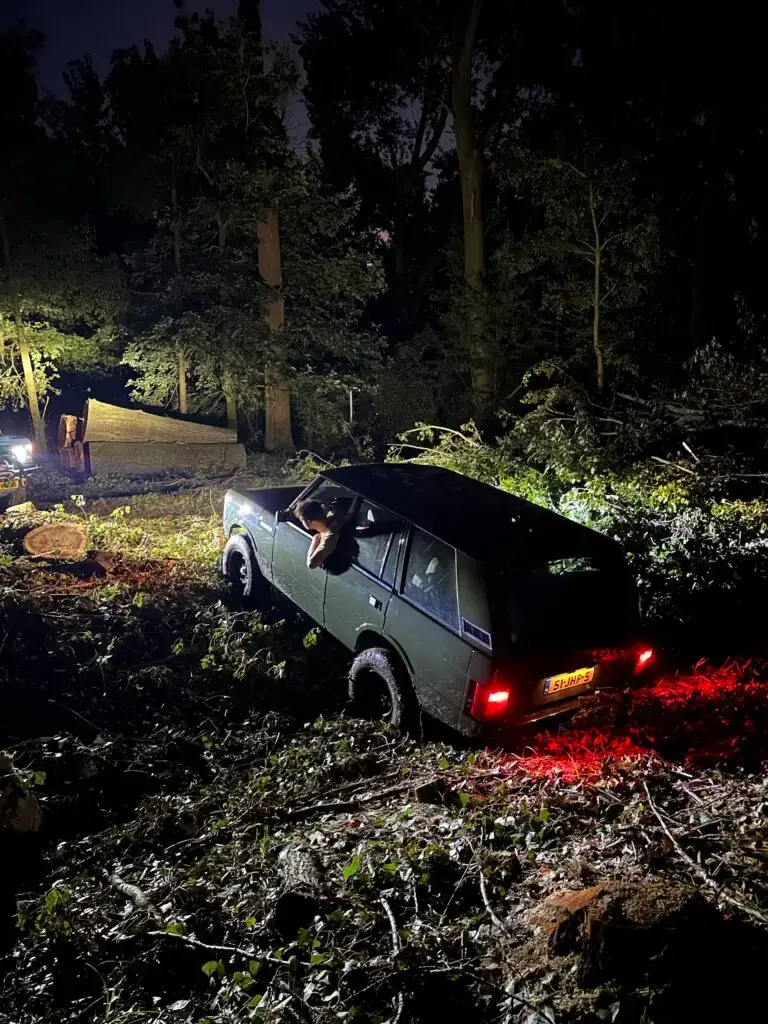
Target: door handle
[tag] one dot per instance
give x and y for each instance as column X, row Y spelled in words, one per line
column 374, row 602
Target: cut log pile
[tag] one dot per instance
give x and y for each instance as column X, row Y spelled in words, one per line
column 109, row 439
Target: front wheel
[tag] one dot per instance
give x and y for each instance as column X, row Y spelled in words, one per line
column 379, row 689
column 241, row 570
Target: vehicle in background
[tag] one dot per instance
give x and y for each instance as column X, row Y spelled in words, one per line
column 473, row 605
column 16, row 463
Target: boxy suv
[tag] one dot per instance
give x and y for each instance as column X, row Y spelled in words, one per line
column 476, row 606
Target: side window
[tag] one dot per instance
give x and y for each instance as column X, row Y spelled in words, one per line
column 430, row 577
column 377, row 532
column 331, row 495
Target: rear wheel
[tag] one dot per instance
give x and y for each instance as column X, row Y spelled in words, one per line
column 380, row 690
column 241, row 570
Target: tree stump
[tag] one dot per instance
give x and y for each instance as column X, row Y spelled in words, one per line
column 299, row 903
column 57, row 540
column 626, row 930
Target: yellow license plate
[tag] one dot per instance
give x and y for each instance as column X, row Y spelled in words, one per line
column 568, row 680
column 8, row 485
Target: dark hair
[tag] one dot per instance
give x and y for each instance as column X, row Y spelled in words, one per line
column 311, row 512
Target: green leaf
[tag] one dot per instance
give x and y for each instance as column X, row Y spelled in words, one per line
column 353, row 867
column 316, row 959
column 464, row 799
column 175, row 928
column 39, row 778
column 544, row 815
column 443, row 763
column 253, row 1003
column 212, row 967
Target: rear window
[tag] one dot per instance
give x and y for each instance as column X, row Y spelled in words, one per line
column 570, row 603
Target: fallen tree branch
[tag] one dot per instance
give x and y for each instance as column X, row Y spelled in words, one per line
column 699, row 871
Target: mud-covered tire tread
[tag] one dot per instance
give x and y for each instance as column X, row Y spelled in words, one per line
column 386, row 665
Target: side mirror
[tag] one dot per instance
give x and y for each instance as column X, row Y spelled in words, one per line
column 283, row 515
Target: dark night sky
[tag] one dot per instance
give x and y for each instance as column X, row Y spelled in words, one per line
column 75, row 27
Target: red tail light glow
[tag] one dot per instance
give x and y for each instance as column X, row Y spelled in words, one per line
column 643, row 658
column 490, row 701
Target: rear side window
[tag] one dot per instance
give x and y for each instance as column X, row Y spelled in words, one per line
column 377, row 533
column 430, row 577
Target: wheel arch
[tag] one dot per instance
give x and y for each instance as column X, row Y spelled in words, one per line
column 370, row 638
column 238, row 530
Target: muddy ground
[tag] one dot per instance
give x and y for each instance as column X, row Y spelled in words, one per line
column 220, row 841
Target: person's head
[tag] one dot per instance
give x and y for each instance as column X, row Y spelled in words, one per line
column 312, row 515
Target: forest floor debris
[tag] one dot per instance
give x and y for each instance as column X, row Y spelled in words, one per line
column 219, row 842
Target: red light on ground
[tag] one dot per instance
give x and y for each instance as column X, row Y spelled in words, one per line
column 490, row 702
column 643, row 658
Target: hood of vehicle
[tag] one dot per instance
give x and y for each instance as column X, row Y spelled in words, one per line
column 271, row 499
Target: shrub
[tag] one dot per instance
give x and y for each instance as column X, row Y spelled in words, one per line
column 699, row 559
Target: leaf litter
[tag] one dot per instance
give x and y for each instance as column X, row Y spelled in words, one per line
column 221, row 842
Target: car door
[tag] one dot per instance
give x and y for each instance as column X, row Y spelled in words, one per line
column 305, row 587
column 423, row 620
column 356, row 598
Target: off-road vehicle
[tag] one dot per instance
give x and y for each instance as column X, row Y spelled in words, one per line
column 478, row 607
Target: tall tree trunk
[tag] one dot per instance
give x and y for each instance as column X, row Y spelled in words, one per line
column 228, row 387
column 30, row 384
column 182, row 363
column 481, row 356
column 597, row 343
column 181, row 357
column 277, row 399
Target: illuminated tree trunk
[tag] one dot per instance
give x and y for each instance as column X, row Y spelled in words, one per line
column 180, row 354
column 183, row 402
column 481, row 357
column 277, row 399
column 30, row 384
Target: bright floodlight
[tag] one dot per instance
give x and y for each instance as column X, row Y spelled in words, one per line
column 23, row 452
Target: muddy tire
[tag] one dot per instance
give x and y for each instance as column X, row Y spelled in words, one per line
column 379, row 689
column 241, row 570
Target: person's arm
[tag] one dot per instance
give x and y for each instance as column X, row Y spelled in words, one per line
column 317, row 554
column 314, row 544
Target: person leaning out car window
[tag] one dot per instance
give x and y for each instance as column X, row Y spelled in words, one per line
column 326, row 528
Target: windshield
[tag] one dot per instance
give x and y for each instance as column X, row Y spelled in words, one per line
column 570, row 602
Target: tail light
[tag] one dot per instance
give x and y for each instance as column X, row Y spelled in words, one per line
column 644, row 658
column 490, row 700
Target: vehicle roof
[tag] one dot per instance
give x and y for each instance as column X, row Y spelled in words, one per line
column 484, row 522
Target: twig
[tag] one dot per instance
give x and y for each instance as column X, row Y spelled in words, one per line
column 699, row 871
column 495, row 919
column 136, row 895
column 396, row 947
column 350, row 805
column 213, row 948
